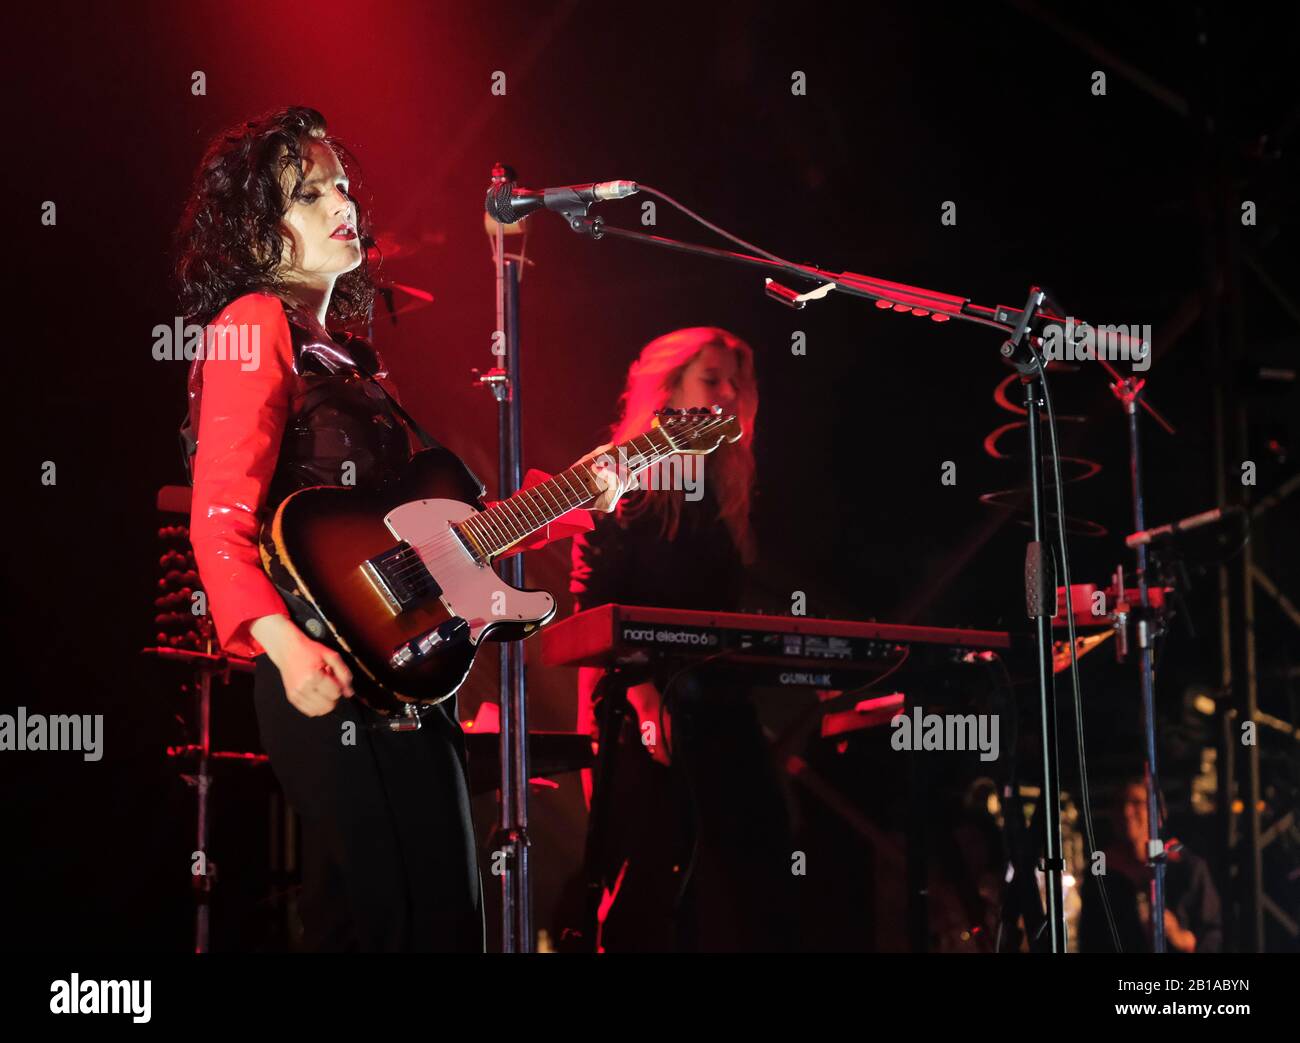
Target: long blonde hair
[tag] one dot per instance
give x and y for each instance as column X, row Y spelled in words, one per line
column 651, row 381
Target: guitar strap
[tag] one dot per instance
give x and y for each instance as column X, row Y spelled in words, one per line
column 426, row 440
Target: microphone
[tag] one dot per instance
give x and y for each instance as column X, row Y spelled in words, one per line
column 508, row 203
column 1118, row 338
column 1139, row 539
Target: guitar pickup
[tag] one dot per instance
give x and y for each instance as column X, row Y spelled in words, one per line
column 399, row 577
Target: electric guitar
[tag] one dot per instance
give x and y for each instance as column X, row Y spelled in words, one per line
column 400, row 579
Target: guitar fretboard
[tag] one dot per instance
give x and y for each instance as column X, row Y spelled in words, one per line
column 504, row 524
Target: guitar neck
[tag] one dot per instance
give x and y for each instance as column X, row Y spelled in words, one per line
column 501, row 526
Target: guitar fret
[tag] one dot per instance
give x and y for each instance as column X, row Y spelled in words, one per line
column 525, row 498
column 589, row 484
column 562, row 492
column 569, row 477
column 515, row 519
column 549, row 505
column 566, row 477
column 489, row 535
column 536, row 509
column 556, row 502
column 544, row 513
column 544, row 501
column 473, row 530
column 519, row 526
column 496, row 527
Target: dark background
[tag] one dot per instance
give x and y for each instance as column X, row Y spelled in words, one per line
column 1106, row 200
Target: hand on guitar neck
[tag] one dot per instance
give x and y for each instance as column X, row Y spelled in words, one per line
column 602, row 466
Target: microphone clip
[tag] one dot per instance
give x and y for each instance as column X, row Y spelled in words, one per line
column 792, row 298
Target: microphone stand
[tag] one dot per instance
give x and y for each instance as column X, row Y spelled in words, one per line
column 1025, row 326
column 511, row 836
column 1128, row 390
column 1040, row 607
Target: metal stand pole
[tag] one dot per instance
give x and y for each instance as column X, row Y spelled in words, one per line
column 1037, row 568
column 203, row 784
column 512, row 831
column 1040, row 605
column 1128, row 389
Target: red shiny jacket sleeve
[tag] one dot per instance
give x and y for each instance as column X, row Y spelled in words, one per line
column 243, row 407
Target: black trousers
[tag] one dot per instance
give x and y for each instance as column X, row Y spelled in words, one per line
column 704, row 847
column 389, row 853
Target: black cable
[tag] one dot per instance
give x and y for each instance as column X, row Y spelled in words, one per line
column 835, row 702
column 1085, row 793
column 941, row 304
column 842, row 701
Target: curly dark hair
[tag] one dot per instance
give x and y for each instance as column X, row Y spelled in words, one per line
column 230, row 241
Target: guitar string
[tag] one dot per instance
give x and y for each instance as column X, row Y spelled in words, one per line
column 435, row 555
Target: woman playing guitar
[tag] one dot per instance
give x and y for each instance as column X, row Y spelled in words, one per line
column 270, row 249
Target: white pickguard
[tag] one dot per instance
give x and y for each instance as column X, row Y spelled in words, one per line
column 469, row 590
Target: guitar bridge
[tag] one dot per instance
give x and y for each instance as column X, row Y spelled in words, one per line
column 399, row 577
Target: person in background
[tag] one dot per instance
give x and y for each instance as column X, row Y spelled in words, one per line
column 700, row 849
column 1193, row 911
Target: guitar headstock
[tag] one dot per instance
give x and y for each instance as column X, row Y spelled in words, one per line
column 699, row 430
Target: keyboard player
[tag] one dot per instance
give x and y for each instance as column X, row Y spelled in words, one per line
column 699, row 840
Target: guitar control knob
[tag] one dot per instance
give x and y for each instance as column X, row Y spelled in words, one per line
column 411, row 652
